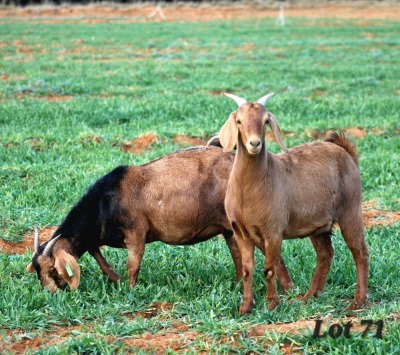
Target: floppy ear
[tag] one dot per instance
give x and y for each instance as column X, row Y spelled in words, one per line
column 67, row 267
column 30, row 268
column 275, row 131
column 228, row 134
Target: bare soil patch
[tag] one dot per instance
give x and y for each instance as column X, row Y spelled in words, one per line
column 57, row 98
column 50, row 98
column 178, row 339
column 27, row 243
column 355, row 132
column 185, row 140
column 154, row 309
column 375, row 217
column 204, row 12
column 140, row 144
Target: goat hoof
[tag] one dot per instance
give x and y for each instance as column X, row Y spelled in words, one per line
column 355, row 305
column 114, row 278
column 307, row 296
column 272, row 304
column 245, row 309
column 287, row 287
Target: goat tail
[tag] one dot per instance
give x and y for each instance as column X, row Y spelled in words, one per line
column 342, row 141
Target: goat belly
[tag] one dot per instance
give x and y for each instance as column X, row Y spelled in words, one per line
column 307, row 231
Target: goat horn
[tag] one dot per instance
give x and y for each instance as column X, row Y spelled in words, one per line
column 49, row 247
column 36, row 242
column 265, row 98
column 240, row 101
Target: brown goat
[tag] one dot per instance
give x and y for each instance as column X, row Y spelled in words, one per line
column 177, row 199
column 302, row 192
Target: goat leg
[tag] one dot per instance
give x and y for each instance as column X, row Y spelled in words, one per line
column 283, row 275
column 104, row 266
column 135, row 254
column 246, row 248
column 323, row 248
column 235, row 253
column 272, row 257
column 353, row 234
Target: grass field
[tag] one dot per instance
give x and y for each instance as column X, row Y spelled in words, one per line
column 75, row 97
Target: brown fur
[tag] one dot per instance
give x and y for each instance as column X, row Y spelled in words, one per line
column 342, row 141
column 292, row 195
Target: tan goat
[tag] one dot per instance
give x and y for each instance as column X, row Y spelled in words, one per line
column 302, row 192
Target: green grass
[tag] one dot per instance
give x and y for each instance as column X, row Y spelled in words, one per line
column 129, row 79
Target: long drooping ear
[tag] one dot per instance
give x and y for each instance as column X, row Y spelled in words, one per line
column 228, row 134
column 67, row 268
column 30, row 268
column 275, row 131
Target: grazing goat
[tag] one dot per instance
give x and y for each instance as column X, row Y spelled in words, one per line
column 177, row 199
column 302, row 192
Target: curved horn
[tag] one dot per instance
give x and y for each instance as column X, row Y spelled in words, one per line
column 265, row 98
column 240, row 101
column 49, row 247
column 36, row 242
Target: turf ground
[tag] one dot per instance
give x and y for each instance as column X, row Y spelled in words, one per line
column 81, row 94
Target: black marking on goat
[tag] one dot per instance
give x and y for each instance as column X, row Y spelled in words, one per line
column 82, row 226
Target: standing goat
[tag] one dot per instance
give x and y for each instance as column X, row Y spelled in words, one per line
column 302, row 192
column 177, row 199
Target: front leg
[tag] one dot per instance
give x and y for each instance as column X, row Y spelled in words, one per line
column 272, row 260
column 135, row 247
column 104, row 266
column 246, row 248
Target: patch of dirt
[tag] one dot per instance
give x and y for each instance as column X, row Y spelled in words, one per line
column 27, row 244
column 93, row 139
column 356, row 132
column 204, row 12
column 270, row 137
column 20, row 341
column 159, row 342
column 140, row 144
column 374, row 217
column 57, row 98
column 179, row 339
column 154, row 309
column 49, row 98
column 36, row 144
column 185, row 140
column 317, row 92
column 294, row 328
column 18, row 43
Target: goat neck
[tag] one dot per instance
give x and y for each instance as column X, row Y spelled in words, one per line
column 250, row 167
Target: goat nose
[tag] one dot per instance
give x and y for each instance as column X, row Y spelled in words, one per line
column 255, row 143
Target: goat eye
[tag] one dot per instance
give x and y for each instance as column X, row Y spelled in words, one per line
column 239, row 122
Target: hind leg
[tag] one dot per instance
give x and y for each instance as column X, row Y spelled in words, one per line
column 353, row 233
column 283, row 275
column 135, row 244
column 235, row 253
column 281, row 271
column 323, row 248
